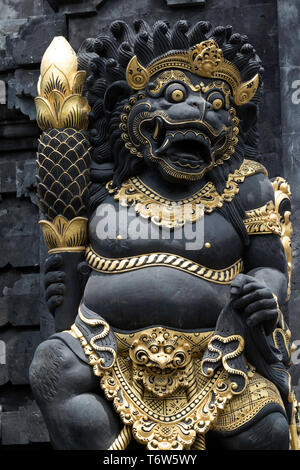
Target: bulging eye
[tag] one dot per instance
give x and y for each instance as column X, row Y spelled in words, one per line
column 217, row 100
column 169, row 349
column 175, row 93
column 217, row 104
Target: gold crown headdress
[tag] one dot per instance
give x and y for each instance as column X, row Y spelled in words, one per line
column 204, row 59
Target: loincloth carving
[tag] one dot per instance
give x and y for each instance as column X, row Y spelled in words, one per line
column 157, row 386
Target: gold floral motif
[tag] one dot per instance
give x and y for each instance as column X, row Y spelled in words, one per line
column 245, row 406
column 205, row 60
column 169, row 75
column 65, row 235
column 282, row 192
column 60, row 86
column 263, row 220
column 219, row 84
column 115, row 265
column 167, row 213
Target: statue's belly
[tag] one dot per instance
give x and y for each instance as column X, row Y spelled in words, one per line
column 155, row 295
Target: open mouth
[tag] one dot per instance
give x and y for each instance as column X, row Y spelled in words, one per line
column 159, row 371
column 187, row 148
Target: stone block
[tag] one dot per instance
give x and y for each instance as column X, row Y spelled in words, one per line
column 9, row 27
column 288, row 32
column 23, row 426
column 33, row 38
column 71, row 7
column 3, row 312
column 18, row 177
column 273, row 164
column 4, row 377
column 14, row 9
column 185, row 3
column 20, row 350
column 7, row 176
column 26, row 181
column 13, row 428
column 17, row 134
column 2, row 92
column 36, row 429
column 22, row 301
column 290, row 98
column 19, row 233
column 22, row 91
column 291, row 162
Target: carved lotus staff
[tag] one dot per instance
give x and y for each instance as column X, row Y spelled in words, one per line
column 63, row 155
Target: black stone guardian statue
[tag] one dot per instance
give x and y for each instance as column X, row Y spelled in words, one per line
column 161, row 341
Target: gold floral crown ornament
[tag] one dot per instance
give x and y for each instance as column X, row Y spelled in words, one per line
column 204, row 59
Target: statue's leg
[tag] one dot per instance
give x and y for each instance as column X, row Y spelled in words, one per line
column 270, row 432
column 75, row 411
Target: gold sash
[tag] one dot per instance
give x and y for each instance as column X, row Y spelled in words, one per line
column 131, row 263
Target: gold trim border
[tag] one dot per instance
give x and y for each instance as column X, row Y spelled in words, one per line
column 131, row 263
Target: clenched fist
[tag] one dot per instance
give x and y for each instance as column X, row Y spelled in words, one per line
column 255, row 301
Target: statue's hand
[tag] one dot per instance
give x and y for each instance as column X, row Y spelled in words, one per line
column 62, row 270
column 54, row 281
column 255, row 301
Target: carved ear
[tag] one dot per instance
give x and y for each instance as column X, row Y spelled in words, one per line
column 115, row 93
column 247, row 115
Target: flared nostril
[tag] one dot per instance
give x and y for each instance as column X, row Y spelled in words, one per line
column 195, row 105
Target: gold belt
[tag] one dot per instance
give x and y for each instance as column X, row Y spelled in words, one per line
column 117, row 265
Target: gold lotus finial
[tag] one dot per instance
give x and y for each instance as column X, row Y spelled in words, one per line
column 65, row 235
column 60, row 102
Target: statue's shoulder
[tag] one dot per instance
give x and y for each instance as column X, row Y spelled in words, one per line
column 257, row 189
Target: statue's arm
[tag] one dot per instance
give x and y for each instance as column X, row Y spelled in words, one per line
column 265, row 260
column 263, row 288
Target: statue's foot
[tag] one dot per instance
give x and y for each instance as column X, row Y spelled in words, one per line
column 271, row 432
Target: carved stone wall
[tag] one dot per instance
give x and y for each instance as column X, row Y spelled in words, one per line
column 26, row 29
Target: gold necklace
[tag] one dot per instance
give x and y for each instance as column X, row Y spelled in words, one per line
column 172, row 214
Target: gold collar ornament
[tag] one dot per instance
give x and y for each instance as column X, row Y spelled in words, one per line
column 172, row 214
column 205, row 60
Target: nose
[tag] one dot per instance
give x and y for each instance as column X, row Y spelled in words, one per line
column 199, row 104
column 162, row 360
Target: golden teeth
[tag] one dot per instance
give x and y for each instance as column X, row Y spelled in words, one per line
column 155, row 134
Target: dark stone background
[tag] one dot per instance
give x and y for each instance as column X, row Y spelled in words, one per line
column 26, row 29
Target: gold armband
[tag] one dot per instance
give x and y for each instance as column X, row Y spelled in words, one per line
column 263, row 220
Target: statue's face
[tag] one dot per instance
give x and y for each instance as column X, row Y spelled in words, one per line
column 183, row 125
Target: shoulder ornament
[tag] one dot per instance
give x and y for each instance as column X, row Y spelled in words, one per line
column 263, row 220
